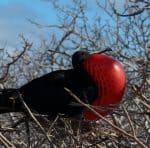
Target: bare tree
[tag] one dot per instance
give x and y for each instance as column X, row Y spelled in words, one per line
column 133, row 7
column 129, row 37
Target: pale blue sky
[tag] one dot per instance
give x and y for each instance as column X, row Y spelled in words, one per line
column 13, row 20
column 14, row 15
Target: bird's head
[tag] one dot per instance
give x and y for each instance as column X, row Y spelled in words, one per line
column 78, row 57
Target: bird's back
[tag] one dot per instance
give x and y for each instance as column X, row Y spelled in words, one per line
column 47, row 94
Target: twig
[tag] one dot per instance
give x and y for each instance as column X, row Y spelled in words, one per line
column 26, row 47
column 130, row 122
column 6, row 142
column 145, row 104
column 98, row 142
column 104, row 119
column 129, row 14
column 28, row 133
column 52, row 125
column 33, row 117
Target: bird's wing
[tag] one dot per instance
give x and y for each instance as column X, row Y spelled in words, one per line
column 55, row 78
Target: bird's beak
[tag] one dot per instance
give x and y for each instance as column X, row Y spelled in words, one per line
column 103, row 51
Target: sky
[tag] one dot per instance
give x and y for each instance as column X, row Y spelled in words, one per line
column 14, row 15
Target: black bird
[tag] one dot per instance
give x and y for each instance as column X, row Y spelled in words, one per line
column 47, row 95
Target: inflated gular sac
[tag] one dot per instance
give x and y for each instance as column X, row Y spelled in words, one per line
column 109, row 76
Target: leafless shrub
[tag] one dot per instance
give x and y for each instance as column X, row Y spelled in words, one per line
column 129, row 37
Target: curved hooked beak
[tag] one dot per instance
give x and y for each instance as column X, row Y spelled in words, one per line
column 103, row 51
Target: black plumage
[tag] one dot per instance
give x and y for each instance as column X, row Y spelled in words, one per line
column 47, row 95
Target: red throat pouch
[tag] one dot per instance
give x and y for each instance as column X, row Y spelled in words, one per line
column 109, row 76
